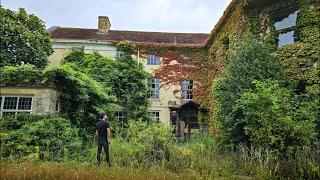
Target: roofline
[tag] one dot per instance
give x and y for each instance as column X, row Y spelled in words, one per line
column 139, row 44
column 53, row 28
column 221, row 21
column 213, row 32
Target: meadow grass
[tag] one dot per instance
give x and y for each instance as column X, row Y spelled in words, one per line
column 52, row 170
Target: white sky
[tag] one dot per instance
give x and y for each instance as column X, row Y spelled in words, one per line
column 141, row 15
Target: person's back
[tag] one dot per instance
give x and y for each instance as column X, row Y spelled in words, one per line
column 103, row 132
column 101, row 127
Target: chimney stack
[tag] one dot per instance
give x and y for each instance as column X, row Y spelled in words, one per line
column 103, row 24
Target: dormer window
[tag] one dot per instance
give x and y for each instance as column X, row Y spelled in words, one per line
column 153, row 60
column 286, row 28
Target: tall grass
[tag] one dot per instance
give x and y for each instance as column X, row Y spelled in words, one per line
column 149, row 151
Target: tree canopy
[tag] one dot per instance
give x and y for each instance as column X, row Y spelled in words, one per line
column 23, row 39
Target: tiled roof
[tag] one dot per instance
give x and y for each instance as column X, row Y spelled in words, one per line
column 135, row 36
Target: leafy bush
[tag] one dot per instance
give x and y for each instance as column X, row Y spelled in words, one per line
column 44, row 137
column 82, row 97
column 275, row 118
column 250, row 62
column 122, row 77
column 142, row 144
column 13, row 75
column 256, row 109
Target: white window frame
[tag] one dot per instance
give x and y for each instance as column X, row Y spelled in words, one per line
column 156, row 113
column 187, row 93
column 153, row 60
column 154, row 93
column 15, row 111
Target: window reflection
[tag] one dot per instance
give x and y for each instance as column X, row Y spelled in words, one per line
column 287, row 22
column 285, row 38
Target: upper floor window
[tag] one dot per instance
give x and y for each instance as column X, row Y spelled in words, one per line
column 286, row 28
column 154, row 88
column 153, row 60
column 187, row 88
column 12, row 105
column 119, row 54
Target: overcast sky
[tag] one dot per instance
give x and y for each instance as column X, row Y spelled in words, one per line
column 140, row 15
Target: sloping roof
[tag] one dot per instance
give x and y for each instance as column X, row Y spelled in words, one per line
column 135, row 36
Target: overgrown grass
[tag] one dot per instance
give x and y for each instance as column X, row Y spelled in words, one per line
column 51, row 170
column 149, row 151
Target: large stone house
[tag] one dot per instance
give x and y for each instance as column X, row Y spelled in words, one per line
column 102, row 41
column 291, row 28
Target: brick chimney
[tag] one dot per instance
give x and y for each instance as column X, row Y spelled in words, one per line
column 103, row 24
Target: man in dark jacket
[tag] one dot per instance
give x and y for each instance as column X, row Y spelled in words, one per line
column 103, row 133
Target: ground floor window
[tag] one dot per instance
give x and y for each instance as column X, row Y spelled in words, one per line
column 119, row 115
column 156, row 115
column 13, row 105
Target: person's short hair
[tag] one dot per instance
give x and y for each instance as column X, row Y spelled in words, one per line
column 101, row 114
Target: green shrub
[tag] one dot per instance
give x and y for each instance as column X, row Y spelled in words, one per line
column 251, row 61
column 275, row 118
column 13, row 75
column 44, row 137
column 142, row 144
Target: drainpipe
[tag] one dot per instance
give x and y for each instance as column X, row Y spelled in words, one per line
column 138, row 57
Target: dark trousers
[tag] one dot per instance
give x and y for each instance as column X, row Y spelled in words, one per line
column 105, row 146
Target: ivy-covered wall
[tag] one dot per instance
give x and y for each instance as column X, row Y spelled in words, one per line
column 246, row 16
column 258, row 17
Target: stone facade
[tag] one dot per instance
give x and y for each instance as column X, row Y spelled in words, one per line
column 44, row 100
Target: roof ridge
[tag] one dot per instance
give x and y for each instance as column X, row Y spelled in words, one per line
column 53, row 28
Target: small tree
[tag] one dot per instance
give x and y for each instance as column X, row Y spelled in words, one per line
column 121, row 77
column 129, row 82
column 251, row 61
column 24, row 38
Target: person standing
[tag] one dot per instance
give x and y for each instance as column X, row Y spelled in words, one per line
column 103, row 133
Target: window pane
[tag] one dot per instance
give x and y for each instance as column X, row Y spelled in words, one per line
column 0, row 102
column 153, row 60
column 25, row 103
column 187, row 86
column 154, row 88
column 10, row 103
column 156, row 115
column 285, row 38
column 287, row 22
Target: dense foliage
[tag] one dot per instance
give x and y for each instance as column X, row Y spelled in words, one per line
column 255, row 108
column 81, row 96
column 250, row 62
column 123, row 77
column 12, row 75
column 39, row 137
column 129, row 82
column 23, row 39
